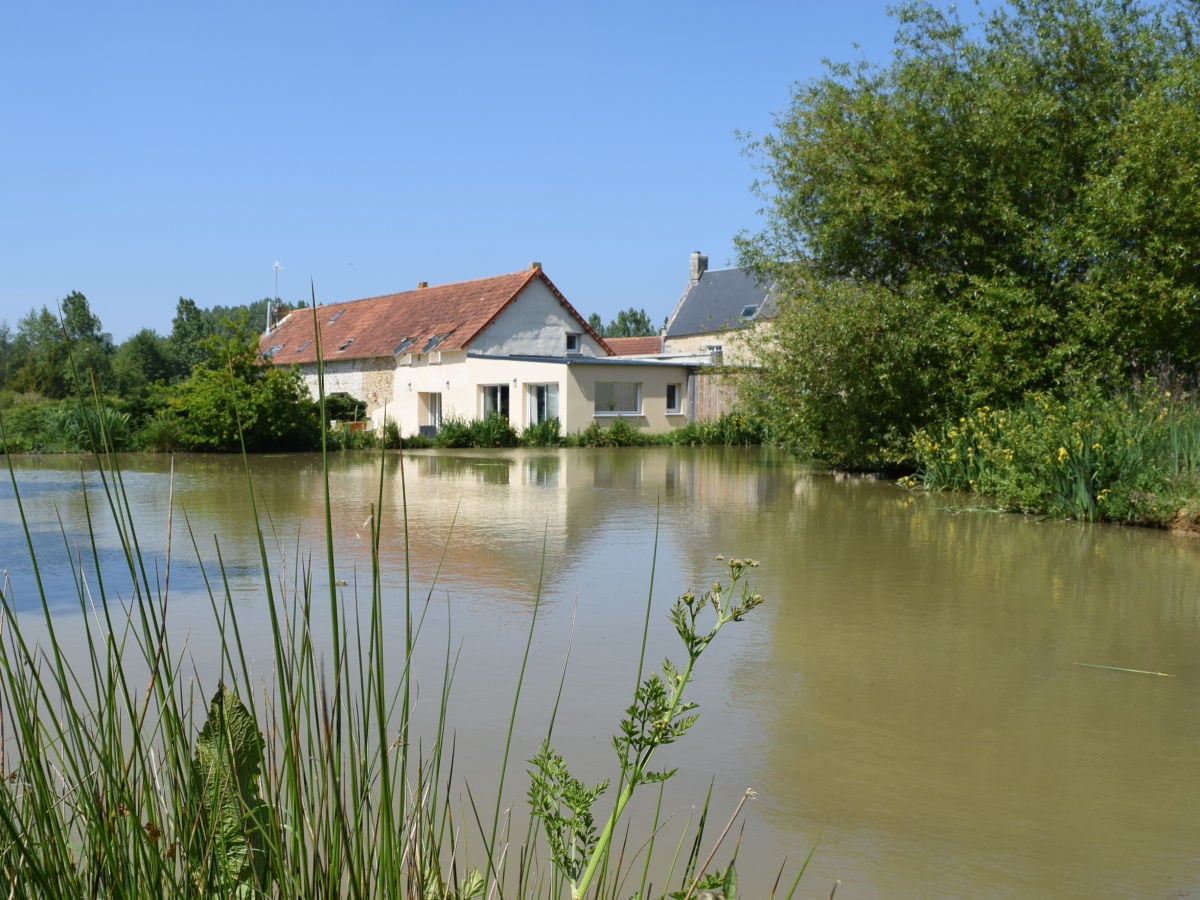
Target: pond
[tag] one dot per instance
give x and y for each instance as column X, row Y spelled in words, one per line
column 942, row 700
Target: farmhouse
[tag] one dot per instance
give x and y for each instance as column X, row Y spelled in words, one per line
column 509, row 344
column 719, row 313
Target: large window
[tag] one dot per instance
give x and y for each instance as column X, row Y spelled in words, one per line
column 615, row 398
column 494, row 400
column 543, row 403
column 674, row 398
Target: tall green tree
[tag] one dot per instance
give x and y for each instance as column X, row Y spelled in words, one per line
column 142, row 368
column 6, row 353
column 90, row 349
column 190, row 328
column 40, row 363
column 1018, row 186
column 231, row 397
column 629, row 322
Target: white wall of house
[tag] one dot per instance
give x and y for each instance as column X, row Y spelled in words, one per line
column 427, row 389
column 590, row 393
column 535, row 324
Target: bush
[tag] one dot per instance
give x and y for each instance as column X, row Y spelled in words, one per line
column 163, row 433
column 391, row 435
column 1131, row 457
column 63, row 426
column 343, row 407
column 544, row 434
column 417, row 442
column 454, row 433
column 345, row 438
column 494, row 431
column 619, row 434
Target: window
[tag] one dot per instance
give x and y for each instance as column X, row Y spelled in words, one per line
column 618, row 398
column 749, row 311
column 337, row 315
column 303, row 346
column 572, row 342
column 434, row 341
column 275, row 349
column 674, row 398
column 431, row 412
column 346, row 343
column 431, row 409
column 543, row 403
column 402, row 346
column 494, row 399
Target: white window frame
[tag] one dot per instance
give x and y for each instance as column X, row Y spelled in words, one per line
column 551, row 391
column 676, row 407
column 431, row 408
column 612, row 398
column 574, row 342
column 503, row 399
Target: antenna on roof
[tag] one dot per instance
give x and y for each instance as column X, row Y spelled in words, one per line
column 274, row 299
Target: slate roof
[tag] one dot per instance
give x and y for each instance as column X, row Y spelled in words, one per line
column 635, row 346
column 441, row 317
column 717, row 302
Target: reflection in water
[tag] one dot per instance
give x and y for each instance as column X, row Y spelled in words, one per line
column 912, row 693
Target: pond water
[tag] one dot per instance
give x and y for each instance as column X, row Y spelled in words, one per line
column 921, row 696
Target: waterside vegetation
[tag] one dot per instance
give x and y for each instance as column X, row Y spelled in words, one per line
column 993, row 230
column 1132, row 457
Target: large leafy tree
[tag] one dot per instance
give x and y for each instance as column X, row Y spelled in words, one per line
column 1014, row 197
column 55, row 353
column 190, row 327
column 232, row 397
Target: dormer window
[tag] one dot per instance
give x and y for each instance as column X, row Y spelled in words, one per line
column 573, row 343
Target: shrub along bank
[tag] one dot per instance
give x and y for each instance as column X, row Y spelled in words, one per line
column 1131, row 457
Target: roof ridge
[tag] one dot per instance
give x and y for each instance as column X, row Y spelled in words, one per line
column 433, row 287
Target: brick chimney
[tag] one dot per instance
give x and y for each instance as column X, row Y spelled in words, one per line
column 535, row 266
column 699, row 265
column 422, row 284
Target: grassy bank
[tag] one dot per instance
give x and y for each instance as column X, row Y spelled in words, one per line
column 1131, row 457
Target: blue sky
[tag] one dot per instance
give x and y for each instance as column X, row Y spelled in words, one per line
column 158, row 150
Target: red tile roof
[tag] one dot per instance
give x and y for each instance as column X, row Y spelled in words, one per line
column 443, row 317
column 635, row 346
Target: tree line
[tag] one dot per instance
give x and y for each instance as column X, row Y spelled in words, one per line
column 203, row 386
column 63, row 381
